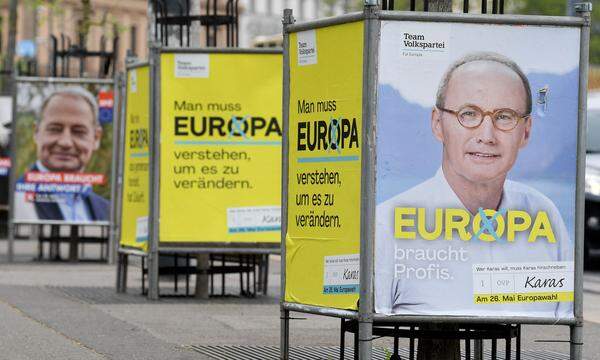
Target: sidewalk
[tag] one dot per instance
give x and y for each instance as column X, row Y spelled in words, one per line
column 71, row 311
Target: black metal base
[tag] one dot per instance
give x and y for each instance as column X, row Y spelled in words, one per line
column 175, row 15
column 252, row 269
column 76, row 241
column 466, row 332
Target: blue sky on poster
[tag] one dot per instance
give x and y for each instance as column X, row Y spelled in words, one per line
column 536, row 49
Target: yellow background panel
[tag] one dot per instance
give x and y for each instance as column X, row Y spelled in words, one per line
column 221, row 149
column 136, row 179
column 336, row 76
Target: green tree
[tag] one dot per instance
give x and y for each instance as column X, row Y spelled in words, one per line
column 536, row 7
column 86, row 19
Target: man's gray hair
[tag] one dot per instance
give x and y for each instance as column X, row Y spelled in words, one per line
column 77, row 91
column 483, row 56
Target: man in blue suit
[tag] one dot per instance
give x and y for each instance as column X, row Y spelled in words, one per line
column 66, row 136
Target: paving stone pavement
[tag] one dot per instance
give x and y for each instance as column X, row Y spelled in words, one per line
column 71, row 311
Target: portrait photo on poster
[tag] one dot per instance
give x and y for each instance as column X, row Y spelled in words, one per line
column 476, row 170
column 6, row 109
column 63, row 152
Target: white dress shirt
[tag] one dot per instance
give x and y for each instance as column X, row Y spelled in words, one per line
column 452, row 292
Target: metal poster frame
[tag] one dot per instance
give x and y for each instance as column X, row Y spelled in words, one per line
column 120, row 153
column 116, row 168
column 157, row 247
column 123, row 251
column 365, row 315
column 13, row 176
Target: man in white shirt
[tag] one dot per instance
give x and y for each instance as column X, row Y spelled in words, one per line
column 468, row 241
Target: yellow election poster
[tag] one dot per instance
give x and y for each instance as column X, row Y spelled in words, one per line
column 135, row 203
column 325, row 140
column 220, row 147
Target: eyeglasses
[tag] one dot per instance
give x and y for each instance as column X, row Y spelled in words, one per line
column 471, row 116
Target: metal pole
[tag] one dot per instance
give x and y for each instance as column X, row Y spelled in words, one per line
column 571, row 4
column 153, row 261
column 202, row 267
column 154, row 145
column 195, row 28
column 367, row 204
column 116, row 142
column 9, row 87
column 12, row 175
column 284, row 341
column 122, row 259
column 478, row 349
column 284, row 346
column 576, row 347
column 583, row 10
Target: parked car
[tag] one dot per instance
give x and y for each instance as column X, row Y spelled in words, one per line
column 592, row 178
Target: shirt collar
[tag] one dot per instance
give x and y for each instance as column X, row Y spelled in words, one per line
column 41, row 167
column 444, row 191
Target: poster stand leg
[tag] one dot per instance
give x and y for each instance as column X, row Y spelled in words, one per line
column 478, row 349
column 54, row 243
column 111, row 247
column 119, row 272
column 153, row 276
column 122, row 267
column 11, row 242
column 73, row 243
column 576, row 347
column 124, row 273
column 365, row 338
column 187, row 275
column 203, row 264
column 40, row 247
column 285, row 335
column 264, row 279
column 144, row 274
column 342, row 337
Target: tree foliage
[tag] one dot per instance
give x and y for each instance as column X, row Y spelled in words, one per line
column 86, row 17
column 536, row 7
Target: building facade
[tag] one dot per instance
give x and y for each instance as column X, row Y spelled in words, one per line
column 262, row 18
column 38, row 21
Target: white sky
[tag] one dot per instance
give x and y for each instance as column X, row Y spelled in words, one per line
column 534, row 48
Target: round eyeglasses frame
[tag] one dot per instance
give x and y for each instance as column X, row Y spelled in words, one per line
column 492, row 115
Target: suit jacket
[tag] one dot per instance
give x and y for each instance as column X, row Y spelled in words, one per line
column 97, row 206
